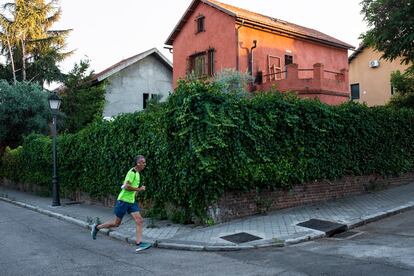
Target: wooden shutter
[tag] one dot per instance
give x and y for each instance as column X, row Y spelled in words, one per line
column 210, row 62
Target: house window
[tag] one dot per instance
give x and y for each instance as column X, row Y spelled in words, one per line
column 202, row 64
column 392, row 90
column 145, row 100
column 288, row 59
column 200, row 24
column 355, row 91
column 198, row 64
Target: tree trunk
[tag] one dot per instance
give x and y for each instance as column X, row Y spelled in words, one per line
column 23, row 60
column 11, row 59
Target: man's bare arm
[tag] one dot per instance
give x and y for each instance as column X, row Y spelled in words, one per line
column 127, row 186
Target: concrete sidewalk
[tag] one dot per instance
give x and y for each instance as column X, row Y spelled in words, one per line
column 277, row 228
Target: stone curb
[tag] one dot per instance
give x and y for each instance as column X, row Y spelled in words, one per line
column 107, row 232
column 308, row 237
column 380, row 215
column 180, row 245
column 48, row 213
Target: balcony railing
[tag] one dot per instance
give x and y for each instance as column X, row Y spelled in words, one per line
column 307, row 79
column 329, row 86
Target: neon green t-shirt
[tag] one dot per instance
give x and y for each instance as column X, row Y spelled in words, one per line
column 134, row 179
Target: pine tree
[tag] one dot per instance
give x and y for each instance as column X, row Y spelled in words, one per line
column 32, row 49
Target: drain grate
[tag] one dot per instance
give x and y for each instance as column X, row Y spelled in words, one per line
column 330, row 228
column 240, row 237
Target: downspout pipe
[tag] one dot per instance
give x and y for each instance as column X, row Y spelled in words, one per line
column 251, row 56
column 170, row 49
column 237, row 46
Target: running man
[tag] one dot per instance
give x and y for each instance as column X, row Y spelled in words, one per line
column 126, row 202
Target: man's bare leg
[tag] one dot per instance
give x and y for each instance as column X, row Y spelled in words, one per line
column 95, row 228
column 110, row 224
column 139, row 222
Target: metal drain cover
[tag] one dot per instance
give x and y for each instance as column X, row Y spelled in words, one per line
column 330, row 228
column 241, row 237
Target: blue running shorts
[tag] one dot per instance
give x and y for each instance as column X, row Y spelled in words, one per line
column 122, row 207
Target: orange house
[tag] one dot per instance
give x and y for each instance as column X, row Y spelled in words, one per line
column 370, row 76
column 212, row 36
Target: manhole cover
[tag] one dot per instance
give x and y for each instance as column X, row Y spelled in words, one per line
column 330, row 228
column 241, row 237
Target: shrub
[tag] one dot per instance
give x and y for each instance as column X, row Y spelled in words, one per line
column 202, row 143
column 23, row 109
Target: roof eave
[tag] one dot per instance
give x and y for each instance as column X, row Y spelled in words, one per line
column 107, row 73
column 294, row 34
column 187, row 14
column 219, row 8
column 181, row 22
column 356, row 52
column 239, row 19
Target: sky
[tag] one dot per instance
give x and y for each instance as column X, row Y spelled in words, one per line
column 106, row 31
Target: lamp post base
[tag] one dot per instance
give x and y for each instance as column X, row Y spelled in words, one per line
column 55, row 192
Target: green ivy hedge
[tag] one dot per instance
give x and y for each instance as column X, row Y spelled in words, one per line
column 203, row 142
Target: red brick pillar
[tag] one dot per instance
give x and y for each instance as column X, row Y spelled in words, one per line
column 318, row 75
column 345, row 80
column 318, row 71
column 292, row 71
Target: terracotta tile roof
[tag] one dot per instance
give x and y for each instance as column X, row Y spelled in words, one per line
column 263, row 21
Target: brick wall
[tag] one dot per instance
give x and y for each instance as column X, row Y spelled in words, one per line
column 235, row 204
column 25, row 187
column 108, row 201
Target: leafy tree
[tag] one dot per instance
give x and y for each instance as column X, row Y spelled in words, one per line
column 403, row 82
column 32, row 49
column 392, row 27
column 392, row 33
column 82, row 100
column 23, row 109
column 6, row 73
column 402, row 100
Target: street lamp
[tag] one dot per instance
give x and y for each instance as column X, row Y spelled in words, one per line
column 54, row 103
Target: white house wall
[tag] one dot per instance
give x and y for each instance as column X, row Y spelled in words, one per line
column 125, row 89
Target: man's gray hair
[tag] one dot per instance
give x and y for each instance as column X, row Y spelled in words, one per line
column 137, row 158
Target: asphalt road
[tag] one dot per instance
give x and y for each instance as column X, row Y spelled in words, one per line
column 35, row 244
column 385, row 247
